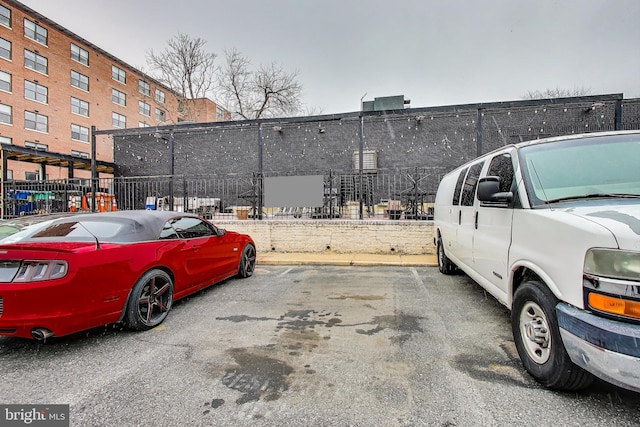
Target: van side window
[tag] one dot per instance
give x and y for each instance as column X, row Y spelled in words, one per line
column 470, row 184
column 458, row 190
column 502, row 167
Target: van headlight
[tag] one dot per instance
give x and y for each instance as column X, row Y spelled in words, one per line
column 613, row 263
column 612, row 282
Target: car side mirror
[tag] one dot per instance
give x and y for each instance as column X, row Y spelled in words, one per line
column 489, row 191
column 221, row 231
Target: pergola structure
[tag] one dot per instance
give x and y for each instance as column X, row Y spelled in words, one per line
column 47, row 158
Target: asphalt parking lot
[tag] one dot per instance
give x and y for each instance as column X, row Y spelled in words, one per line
column 312, row 346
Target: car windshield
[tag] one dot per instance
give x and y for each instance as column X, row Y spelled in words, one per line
column 597, row 167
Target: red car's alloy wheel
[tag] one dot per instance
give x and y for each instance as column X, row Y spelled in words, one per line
column 247, row 261
column 150, row 300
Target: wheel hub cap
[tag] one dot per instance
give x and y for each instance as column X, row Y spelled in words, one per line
column 537, row 332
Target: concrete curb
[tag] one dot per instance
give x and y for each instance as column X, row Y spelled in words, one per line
column 273, row 258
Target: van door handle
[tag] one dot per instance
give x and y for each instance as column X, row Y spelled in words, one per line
column 476, row 220
column 459, row 217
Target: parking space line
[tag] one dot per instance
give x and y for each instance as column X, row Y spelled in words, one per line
column 285, row 272
column 419, row 281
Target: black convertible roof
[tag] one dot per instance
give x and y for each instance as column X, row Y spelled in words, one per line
column 142, row 225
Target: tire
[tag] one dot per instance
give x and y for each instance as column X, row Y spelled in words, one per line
column 537, row 338
column 444, row 263
column 150, row 301
column 247, row 261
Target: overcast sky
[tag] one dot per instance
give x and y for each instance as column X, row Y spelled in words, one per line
column 435, row 52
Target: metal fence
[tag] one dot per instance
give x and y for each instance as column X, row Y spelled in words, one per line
column 386, row 194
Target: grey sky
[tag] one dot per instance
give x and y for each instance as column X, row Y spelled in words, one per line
column 433, row 52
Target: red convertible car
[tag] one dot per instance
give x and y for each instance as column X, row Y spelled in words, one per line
column 89, row 270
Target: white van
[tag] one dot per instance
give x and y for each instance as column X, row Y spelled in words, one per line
column 551, row 228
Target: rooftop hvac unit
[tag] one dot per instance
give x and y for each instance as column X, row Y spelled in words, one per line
column 369, row 161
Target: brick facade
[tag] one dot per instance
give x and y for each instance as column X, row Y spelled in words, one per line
column 372, row 237
column 437, row 137
column 57, row 49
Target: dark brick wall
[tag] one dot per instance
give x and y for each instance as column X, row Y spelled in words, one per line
column 438, row 137
column 631, row 114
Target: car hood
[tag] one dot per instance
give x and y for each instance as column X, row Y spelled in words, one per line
column 621, row 219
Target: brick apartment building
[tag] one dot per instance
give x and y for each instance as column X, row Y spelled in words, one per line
column 55, row 85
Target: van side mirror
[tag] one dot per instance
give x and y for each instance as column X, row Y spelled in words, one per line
column 489, row 191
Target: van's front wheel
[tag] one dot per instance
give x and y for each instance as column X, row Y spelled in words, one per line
column 537, row 338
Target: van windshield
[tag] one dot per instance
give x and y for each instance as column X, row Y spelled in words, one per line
column 592, row 167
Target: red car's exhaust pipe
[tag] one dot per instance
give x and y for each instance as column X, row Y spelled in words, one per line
column 41, row 334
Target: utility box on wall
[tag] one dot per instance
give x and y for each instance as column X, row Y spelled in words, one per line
column 369, row 161
column 294, row 191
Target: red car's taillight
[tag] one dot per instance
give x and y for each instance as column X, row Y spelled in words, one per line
column 36, row 271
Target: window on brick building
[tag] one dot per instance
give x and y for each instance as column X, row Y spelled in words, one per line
column 118, row 74
column 118, row 97
column 144, row 88
column 6, row 115
column 36, row 121
column 5, row 81
column 5, row 16
column 144, row 108
column 79, row 133
column 160, row 115
column 79, row 80
column 6, row 140
column 80, row 154
column 79, row 54
column 36, row 92
column 143, row 125
column 78, row 106
column 35, row 31
column 160, row 96
column 5, row 49
column 36, row 145
column 118, row 120
column 36, row 62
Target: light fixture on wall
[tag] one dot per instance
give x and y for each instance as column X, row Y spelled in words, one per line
column 277, row 128
column 420, row 118
column 320, row 129
column 594, row 106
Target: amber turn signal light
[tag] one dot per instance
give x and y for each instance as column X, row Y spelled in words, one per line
column 615, row 305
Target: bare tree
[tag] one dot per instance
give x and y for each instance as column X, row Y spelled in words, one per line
column 557, row 93
column 267, row 91
column 187, row 69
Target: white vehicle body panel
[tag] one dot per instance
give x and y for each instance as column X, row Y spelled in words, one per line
column 494, row 242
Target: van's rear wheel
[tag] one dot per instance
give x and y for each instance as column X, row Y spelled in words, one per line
column 444, row 263
column 537, row 338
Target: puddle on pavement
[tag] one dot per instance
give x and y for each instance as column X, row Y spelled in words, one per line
column 492, row 369
column 256, row 376
column 405, row 324
column 259, row 375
